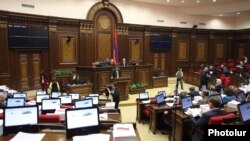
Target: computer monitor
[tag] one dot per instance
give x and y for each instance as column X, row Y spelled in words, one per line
column 18, row 119
column 241, row 96
column 41, row 92
column 162, row 92
column 186, row 102
column 15, row 102
column 40, row 97
column 95, row 99
column 55, row 94
column 50, row 105
column 94, row 94
column 84, row 103
column 24, row 95
column 244, row 112
column 75, row 96
column 66, row 99
column 82, row 121
column 160, row 100
column 144, row 96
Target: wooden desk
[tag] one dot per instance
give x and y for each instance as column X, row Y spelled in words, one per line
column 82, row 89
column 139, row 111
column 56, row 136
column 122, row 85
column 161, row 81
column 154, row 113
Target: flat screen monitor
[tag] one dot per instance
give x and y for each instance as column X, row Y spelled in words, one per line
column 162, row 92
column 82, row 121
column 40, row 97
column 56, row 94
column 244, row 111
column 41, row 92
column 144, row 96
column 186, row 102
column 241, row 96
column 20, row 95
column 94, row 98
column 160, row 99
column 66, row 99
column 15, row 102
column 75, row 96
column 94, row 95
column 20, row 119
column 84, row 103
column 50, row 105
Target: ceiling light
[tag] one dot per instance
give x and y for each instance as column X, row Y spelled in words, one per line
column 198, row 1
column 221, row 15
column 214, row 0
column 168, row 0
column 238, row 13
column 182, row 1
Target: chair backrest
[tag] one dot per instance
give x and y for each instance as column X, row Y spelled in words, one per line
column 49, row 118
column 215, row 120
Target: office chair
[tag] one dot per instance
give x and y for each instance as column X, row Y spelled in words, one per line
column 49, row 118
column 215, row 120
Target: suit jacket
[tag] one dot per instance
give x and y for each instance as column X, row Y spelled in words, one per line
column 203, row 120
column 116, row 95
column 114, row 74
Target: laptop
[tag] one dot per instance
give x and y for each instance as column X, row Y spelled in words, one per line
column 240, row 96
column 186, row 102
column 84, row 103
column 41, row 92
column 22, row 118
column 50, row 105
column 244, row 112
column 82, row 121
column 24, row 95
column 162, row 92
column 94, row 98
column 40, row 97
column 15, row 102
column 56, row 94
column 144, row 96
column 75, row 96
column 160, row 100
column 66, row 99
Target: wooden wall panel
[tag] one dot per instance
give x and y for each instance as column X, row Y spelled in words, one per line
column 182, row 51
column 104, row 48
column 220, row 51
column 201, row 50
column 135, row 46
column 36, row 59
column 23, row 60
column 68, row 52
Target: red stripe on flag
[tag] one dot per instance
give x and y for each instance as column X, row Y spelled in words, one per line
column 115, row 48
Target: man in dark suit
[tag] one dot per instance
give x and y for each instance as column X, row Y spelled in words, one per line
column 124, row 62
column 115, row 72
column 215, row 110
column 116, row 95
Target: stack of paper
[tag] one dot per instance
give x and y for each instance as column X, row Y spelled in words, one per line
column 92, row 137
column 110, row 105
column 124, row 132
column 20, row 136
column 233, row 104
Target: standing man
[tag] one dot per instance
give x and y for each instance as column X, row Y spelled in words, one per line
column 44, row 80
column 179, row 76
column 115, row 73
column 116, row 95
column 204, row 78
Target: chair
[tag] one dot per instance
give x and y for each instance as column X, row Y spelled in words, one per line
column 216, row 120
column 1, row 115
column 49, row 118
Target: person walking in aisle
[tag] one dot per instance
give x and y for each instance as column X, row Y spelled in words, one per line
column 179, row 76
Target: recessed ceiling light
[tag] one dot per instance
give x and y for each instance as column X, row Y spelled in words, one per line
column 214, row 0
column 168, row 0
column 221, row 15
column 198, row 1
column 238, row 13
column 182, row 1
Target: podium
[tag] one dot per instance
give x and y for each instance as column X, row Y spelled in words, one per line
column 122, row 85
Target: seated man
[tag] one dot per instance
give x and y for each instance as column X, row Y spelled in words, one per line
column 218, row 86
column 215, row 110
column 192, row 92
column 204, row 100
